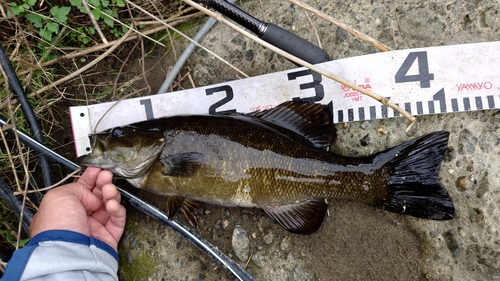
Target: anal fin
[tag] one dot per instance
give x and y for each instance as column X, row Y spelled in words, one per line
column 302, row 218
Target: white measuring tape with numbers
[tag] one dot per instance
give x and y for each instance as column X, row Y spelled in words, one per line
column 422, row 81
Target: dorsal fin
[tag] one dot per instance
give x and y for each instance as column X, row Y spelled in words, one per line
column 302, row 218
column 311, row 120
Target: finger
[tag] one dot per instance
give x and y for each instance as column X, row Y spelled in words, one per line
column 104, row 177
column 117, row 219
column 89, row 177
column 109, row 191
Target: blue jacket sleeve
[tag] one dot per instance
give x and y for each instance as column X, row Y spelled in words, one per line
column 63, row 255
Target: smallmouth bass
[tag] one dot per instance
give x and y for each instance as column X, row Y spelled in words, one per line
column 274, row 160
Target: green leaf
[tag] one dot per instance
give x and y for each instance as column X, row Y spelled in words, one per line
column 109, row 21
column 60, row 14
column 16, row 9
column 95, row 3
column 31, row 2
column 35, row 19
column 76, row 3
column 97, row 14
column 119, row 3
column 52, row 26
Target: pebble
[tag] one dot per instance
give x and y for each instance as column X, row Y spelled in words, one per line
column 300, row 274
column 268, row 238
column 240, row 243
column 453, row 242
column 259, row 258
column 285, row 243
column 462, row 183
column 467, row 142
column 483, row 186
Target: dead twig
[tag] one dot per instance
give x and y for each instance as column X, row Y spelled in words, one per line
column 87, row 66
column 375, row 43
column 187, row 37
column 94, row 22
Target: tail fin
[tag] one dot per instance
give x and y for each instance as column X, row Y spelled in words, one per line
column 413, row 188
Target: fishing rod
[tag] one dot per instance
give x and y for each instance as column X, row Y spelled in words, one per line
column 144, row 207
column 273, row 34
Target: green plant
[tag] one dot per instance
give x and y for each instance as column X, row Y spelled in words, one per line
column 100, row 7
column 49, row 25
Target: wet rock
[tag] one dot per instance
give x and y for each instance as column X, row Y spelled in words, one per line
column 462, row 183
column 299, row 274
column 268, row 238
column 484, row 260
column 259, row 258
column 285, row 243
column 476, row 215
column 240, row 243
column 453, row 242
column 340, row 35
column 365, row 140
column 483, row 186
column 488, row 140
column 450, row 154
column 467, row 142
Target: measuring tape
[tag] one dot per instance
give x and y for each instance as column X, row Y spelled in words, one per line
column 422, row 81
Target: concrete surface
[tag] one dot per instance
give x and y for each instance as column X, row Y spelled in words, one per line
column 356, row 242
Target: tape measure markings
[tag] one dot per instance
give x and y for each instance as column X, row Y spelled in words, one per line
column 422, row 81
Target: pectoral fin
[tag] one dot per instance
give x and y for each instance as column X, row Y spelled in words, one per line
column 302, row 218
column 182, row 164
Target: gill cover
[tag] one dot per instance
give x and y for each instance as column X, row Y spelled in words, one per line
column 126, row 151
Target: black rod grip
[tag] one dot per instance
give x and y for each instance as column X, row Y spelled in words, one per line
column 294, row 44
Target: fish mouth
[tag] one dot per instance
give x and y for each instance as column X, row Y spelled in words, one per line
column 91, row 160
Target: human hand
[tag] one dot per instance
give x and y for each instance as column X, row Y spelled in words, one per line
column 90, row 206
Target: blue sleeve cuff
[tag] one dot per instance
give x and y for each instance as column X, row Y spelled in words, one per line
column 73, row 237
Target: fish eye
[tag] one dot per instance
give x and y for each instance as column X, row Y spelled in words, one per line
column 117, row 132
